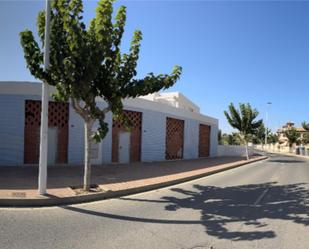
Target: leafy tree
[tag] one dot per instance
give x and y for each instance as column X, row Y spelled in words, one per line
column 244, row 121
column 305, row 139
column 259, row 136
column 292, row 135
column 305, row 126
column 231, row 139
column 220, row 136
column 86, row 63
column 273, row 138
column 235, row 138
column 223, row 140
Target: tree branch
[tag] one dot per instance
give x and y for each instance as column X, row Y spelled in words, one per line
column 81, row 111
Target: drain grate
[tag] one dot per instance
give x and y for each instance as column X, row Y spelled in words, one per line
column 19, row 194
column 202, row 247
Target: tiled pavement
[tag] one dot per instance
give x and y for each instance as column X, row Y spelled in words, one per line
column 21, row 182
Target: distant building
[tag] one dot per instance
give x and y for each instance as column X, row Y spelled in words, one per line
column 166, row 126
column 283, row 140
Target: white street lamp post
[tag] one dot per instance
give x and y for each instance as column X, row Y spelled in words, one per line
column 44, row 114
column 266, row 122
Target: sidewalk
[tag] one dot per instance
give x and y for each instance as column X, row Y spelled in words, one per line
column 18, row 185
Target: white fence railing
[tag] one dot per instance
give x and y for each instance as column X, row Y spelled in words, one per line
column 300, row 150
column 273, row 148
column 234, row 150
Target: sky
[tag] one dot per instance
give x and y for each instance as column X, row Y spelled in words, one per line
column 231, row 51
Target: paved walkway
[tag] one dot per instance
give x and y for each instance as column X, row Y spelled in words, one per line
column 21, row 182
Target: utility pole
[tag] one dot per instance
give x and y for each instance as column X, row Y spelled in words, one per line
column 266, row 121
column 44, row 114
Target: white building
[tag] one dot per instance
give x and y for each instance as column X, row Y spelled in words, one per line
column 167, row 126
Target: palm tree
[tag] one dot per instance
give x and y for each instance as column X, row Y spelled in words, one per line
column 244, row 121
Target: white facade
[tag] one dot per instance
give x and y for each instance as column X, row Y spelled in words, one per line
column 154, row 111
column 234, row 150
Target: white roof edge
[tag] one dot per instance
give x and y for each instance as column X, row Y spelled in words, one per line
column 17, row 82
column 32, row 88
column 159, row 107
column 22, row 87
column 183, row 101
column 187, row 99
column 180, row 95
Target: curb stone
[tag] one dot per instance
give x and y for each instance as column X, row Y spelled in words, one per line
column 49, row 200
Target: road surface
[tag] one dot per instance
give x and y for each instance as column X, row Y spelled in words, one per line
column 261, row 205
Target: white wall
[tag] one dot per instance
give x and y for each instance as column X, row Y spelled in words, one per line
column 191, row 139
column 76, row 138
column 214, row 128
column 153, row 137
column 13, row 95
column 274, row 148
column 234, row 150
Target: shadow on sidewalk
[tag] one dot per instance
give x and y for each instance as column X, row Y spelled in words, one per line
column 26, row 177
column 221, row 208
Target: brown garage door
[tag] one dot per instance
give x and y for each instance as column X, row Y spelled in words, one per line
column 58, row 116
column 174, row 138
column 135, row 136
column 204, row 140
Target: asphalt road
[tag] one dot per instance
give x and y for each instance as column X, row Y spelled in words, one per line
column 262, row 205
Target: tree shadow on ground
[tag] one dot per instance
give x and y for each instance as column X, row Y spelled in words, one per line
column 222, row 207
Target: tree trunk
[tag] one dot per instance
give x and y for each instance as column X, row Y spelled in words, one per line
column 290, row 148
column 87, row 163
column 247, row 152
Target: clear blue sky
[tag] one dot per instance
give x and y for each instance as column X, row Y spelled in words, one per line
column 233, row 51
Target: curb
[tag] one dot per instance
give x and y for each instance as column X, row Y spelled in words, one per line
column 56, row 201
column 288, row 154
column 300, row 156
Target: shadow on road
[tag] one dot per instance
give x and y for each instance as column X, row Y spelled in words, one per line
column 286, row 161
column 221, row 207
